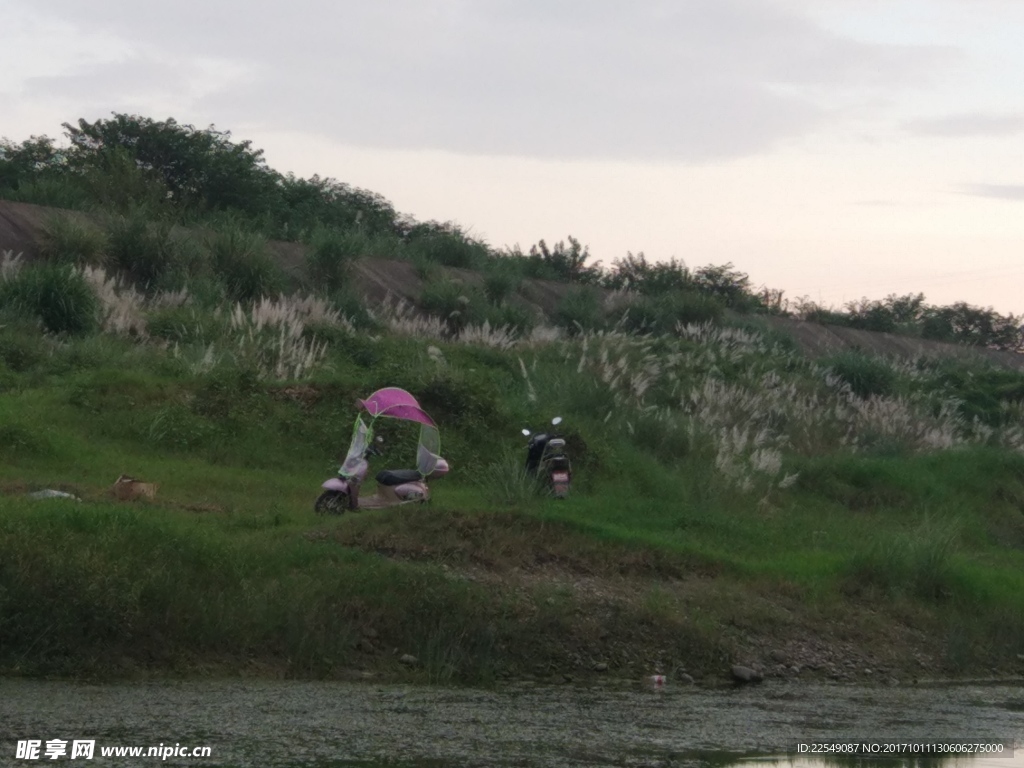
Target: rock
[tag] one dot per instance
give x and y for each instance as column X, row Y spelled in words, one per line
column 600, row 667
column 370, row 632
column 795, row 669
column 868, row 672
column 779, row 656
column 745, row 674
column 408, row 659
column 50, row 493
column 566, row 678
column 685, row 679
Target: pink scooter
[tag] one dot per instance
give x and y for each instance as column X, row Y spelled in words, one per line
column 394, row 486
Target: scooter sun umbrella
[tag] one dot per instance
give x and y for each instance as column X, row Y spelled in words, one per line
column 393, row 486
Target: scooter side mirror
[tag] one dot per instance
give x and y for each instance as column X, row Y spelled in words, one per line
column 557, row 420
column 526, row 432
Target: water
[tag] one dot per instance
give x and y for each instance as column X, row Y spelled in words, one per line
column 285, row 723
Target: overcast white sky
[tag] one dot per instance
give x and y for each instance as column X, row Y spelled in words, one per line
column 832, row 148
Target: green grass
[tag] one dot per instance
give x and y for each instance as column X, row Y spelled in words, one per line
column 230, row 564
column 68, row 239
column 56, row 295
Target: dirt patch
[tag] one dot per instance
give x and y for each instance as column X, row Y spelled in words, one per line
column 21, row 226
column 822, row 340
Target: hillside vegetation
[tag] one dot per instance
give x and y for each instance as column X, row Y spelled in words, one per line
column 733, row 500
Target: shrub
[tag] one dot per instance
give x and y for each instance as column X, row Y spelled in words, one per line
column 661, row 314
column 567, row 262
column 984, row 393
column 55, row 192
column 58, row 295
column 462, row 397
column 191, row 258
column 445, row 244
column 517, row 317
column 773, row 337
column 141, row 251
column 580, row 311
column 506, row 481
column 331, row 255
column 351, row 306
column 866, row 376
column 241, row 260
column 68, row 239
column 638, row 274
column 457, row 304
column 499, row 285
column 185, row 325
column 727, row 284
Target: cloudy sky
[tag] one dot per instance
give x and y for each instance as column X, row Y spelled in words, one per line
column 832, row 148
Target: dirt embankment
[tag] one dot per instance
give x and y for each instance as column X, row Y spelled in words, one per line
column 627, row 611
column 821, row 340
column 21, row 228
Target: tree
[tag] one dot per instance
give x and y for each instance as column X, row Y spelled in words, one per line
column 34, row 157
column 729, row 285
column 568, row 263
column 309, row 203
column 203, row 170
column 889, row 314
column 638, row 274
column 962, row 323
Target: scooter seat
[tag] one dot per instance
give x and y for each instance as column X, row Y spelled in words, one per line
column 392, row 477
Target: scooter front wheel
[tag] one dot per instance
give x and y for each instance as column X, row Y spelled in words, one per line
column 331, row 503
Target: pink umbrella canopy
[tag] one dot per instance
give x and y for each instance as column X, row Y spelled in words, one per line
column 397, row 404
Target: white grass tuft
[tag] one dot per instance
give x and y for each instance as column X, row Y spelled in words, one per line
column 269, row 336
column 123, row 308
column 10, row 264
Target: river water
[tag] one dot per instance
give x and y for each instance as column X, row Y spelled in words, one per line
column 280, row 724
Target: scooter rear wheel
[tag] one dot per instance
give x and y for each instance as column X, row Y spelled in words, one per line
column 331, row 503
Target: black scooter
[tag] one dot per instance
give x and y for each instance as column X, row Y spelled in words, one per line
column 546, row 460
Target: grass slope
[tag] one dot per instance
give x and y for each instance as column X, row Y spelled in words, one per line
column 733, row 501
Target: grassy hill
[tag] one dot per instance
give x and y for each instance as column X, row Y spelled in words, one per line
column 804, row 500
column 735, row 501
